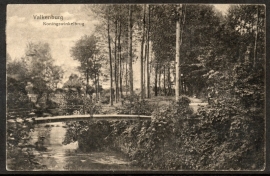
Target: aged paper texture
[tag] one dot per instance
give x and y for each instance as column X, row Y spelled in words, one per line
column 135, row 87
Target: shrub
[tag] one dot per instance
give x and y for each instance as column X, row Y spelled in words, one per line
column 218, row 137
column 91, row 107
column 133, row 105
column 158, row 143
column 231, row 135
column 89, row 134
column 105, row 96
column 17, row 100
column 51, row 104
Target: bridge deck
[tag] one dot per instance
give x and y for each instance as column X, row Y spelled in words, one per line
column 90, row 117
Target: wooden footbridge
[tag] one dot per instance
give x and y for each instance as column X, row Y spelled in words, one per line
column 90, row 117
column 18, row 115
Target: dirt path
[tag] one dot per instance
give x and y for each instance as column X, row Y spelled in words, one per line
column 196, row 103
column 160, row 100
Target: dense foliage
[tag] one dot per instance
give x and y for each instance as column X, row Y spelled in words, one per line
column 133, row 105
column 218, row 137
column 35, row 73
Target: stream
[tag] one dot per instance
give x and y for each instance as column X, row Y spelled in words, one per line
column 53, row 155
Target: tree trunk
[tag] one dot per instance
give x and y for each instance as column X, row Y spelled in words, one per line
column 126, row 76
column 120, row 61
column 142, row 44
column 169, row 81
column 121, row 77
column 130, row 51
column 256, row 38
column 98, row 85
column 164, row 80
column 159, row 75
column 177, row 56
column 87, row 78
column 110, row 56
column 95, row 77
column 115, row 64
column 96, row 91
column 145, row 69
column 147, row 62
column 156, row 75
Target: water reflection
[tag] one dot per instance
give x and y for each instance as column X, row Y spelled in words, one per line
column 48, row 141
column 20, row 153
column 54, row 146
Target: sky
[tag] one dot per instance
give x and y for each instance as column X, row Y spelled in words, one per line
column 222, row 7
column 23, row 27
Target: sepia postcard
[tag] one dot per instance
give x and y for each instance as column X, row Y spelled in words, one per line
column 135, row 87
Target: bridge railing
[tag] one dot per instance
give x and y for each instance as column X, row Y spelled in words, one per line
column 18, row 113
column 90, row 117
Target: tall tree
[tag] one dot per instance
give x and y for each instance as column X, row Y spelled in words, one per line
column 116, row 60
column 142, row 58
column 110, row 57
column 95, row 72
column 177, row 56
column 84, row 51
column 120, row 61
column 148, row 54
column 117, row 15
column 162, row 30
column 34, row 73
column 39, row 64
column 130, row 25
column 256, row 36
